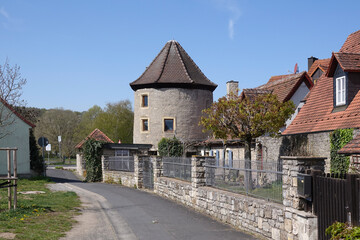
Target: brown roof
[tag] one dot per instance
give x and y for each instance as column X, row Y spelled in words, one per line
column 317, row 116
column 278, row 77
column 251, row 93
column 352, row 43
column 349, row 62
column 97, row 135
column 323, row 64
column 16, row 113
column 286, row 86
column 352, row 147
column 173, row 67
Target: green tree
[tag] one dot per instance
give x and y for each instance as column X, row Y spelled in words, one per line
column 36, row 161
column 247, row 119
column 59, row 122
column 92, row 150
column 170, row 147
column 117, row 121
column 87, row 122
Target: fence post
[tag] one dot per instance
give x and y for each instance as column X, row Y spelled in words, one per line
column 158, row 169
column 198, row 178
column 138, row 170
column 350, row 189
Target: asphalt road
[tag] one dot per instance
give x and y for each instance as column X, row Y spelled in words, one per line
column 117, row 212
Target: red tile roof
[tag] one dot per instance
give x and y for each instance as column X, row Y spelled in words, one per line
column 352, row 43
column 251, row 93
column 173, row 67
column 349, row 62
column 97, row 135
column 317, row 116
column 352, row 147
column 323, row 64
column 17, row 113
column 278, row 77
column 286, row 85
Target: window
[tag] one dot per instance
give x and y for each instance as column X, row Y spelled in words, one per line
column 340, row 91
column 144, row 100
column 144, row 125
column 122, row 152
column 168, row 124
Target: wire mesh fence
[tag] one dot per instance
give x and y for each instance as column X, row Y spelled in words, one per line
column 177, row 167
column 255, row 178
column 119, row 163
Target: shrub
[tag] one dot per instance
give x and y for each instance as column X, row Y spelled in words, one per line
column 339, row 138
column 36, row 161
column 343, row 231
column 92, row 150
column 170, row 147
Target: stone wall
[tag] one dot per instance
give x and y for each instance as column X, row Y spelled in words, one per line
column 124, row 178
column 80, row 165
column 261, row 217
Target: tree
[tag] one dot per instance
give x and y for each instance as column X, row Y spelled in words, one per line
column 117, row 121
column 87, row 122
column 36, row 161
column 59, row 122
column 11, row 84
column 246, row 119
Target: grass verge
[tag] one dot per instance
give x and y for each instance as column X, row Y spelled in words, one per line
column 38, row 216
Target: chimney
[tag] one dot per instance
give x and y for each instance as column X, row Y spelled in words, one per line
column 311, row 60
column 232, row 87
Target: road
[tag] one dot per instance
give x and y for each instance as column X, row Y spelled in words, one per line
column 117, row 212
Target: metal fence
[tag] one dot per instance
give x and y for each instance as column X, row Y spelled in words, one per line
column 119, row 163
column 255, row 178
column 177, row 167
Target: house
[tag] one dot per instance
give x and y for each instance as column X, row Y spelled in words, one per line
column 15, row 133
column 317, row 67
column 287, row 87
column 169, row 98
column 96, row 135
column 334, row 102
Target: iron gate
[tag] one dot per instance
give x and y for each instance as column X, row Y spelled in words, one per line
column 336, row 198
column 148, row 174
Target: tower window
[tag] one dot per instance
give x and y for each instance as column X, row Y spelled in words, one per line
column 168, row 124
column 144, row 125
column 144, row 100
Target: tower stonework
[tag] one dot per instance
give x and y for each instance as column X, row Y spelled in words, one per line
column 169, row 98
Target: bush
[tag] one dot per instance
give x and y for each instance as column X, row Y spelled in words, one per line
column 343, row 231
column 92, row 150
column 36, row 161
column 338, row 139
column 170, row 147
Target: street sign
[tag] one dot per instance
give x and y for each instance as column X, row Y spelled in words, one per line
column 48, row 148
column 43, row 141
column 59, row 138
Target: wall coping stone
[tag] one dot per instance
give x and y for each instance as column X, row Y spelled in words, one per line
column 303, row 158
column 300, row 213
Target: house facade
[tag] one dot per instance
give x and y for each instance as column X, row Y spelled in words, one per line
column 169, row 98
column 17, row 130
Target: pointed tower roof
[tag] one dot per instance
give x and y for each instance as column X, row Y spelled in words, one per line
column 173, row 67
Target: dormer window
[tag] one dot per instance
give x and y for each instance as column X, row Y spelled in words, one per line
column 340, row 91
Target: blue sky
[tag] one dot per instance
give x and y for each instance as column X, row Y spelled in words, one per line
column 75, row 54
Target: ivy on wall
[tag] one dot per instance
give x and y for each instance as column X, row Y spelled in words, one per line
column 92, row 151
column 339, row 138
column 170, row 147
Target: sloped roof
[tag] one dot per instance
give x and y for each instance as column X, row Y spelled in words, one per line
column 352, row 43
column 97, row 135
column 323, row 64
column 173, row 67
column 251, row 93
column 349, row 62
column 287, row 85
column 317, row 116
column 17, row 113
column 278, row 77
column 352, row 147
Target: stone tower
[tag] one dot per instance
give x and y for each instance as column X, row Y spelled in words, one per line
column 169, row 98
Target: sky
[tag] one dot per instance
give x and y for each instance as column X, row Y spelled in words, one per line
column 77, row 54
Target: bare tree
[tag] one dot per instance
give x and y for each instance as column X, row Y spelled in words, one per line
column 11, row 84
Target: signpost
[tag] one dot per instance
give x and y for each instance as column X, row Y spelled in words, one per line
column 59, row 140
column 48, row 149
